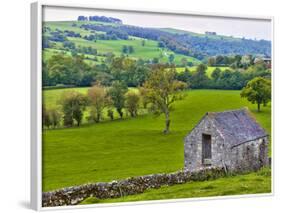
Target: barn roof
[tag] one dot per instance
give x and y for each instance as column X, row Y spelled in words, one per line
column 239, row 126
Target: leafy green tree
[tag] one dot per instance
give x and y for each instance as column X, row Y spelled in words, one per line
column 55, row 117
column 162, row 90
column 117, row 94
column 46, row 117
column 212, row 61
column 155, row 60
column 98, row 101
column 199, row 77
column 110, row 114
column 131, row 49
column 73, row 105
column 216, row 73
column 132, row 103
column 171, row 58
column 124, row 49
column 51, row 117
column 258, row 91
column 184, row 76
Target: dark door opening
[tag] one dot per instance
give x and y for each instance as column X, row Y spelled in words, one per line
column 206, row 149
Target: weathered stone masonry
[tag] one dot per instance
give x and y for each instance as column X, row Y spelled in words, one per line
column 236, row 142
column 130, row 186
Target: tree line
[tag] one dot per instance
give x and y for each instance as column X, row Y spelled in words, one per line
column 156, row 95
column 73, row 70
column 223, row 79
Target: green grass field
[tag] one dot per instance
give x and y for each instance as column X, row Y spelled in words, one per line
column 149, row 51
column 131, row 147
column 232, row 185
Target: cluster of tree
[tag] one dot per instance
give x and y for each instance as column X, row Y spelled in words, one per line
column 233, row 61
column 110, row 31
column 70, row 33
column 95, row 37
column 101, row 36
column 86, row 50
column 158, row 94
column 56, row 36
column 72, row 70
column 211, row 46
column 100, row 19
column 73, row 105
column 105, row 19
column 227, row 79
column 67, row 70
column 127, row 49
column 82, row 18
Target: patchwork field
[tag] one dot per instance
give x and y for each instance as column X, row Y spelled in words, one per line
column 131, row 147
column 147, row 52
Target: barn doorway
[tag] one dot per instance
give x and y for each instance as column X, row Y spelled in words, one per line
column 206, row 149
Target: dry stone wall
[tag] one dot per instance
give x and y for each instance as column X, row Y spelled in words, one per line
column 135, row 185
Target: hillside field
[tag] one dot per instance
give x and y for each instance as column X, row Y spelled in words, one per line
column 133, row 146
column 147, row 52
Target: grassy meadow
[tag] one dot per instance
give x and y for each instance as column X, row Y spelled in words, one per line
column 133, row 146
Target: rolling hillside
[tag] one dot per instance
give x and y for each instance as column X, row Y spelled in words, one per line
column 148, row 51
column 146, row 43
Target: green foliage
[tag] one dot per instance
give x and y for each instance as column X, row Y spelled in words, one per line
column 61, row 69
column 199, row 78
column 117, row 94
column 73, row 104
column 257, row 91
column 216, row 73
column 171, row 58
column 98, row 101
column 127, row 49
column 161, row 90
column 50, row 117
column 132, row 103
column 110, row 114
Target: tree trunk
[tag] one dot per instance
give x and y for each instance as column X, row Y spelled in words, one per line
column 98, row 117
column 120, row 112
column 259, row 107
column 167, row 122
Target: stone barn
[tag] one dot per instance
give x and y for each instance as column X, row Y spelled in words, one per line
column 232, row 140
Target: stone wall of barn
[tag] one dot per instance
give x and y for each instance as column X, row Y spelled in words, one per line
column 247, row 156
column 193, row 145
column 251, row 155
